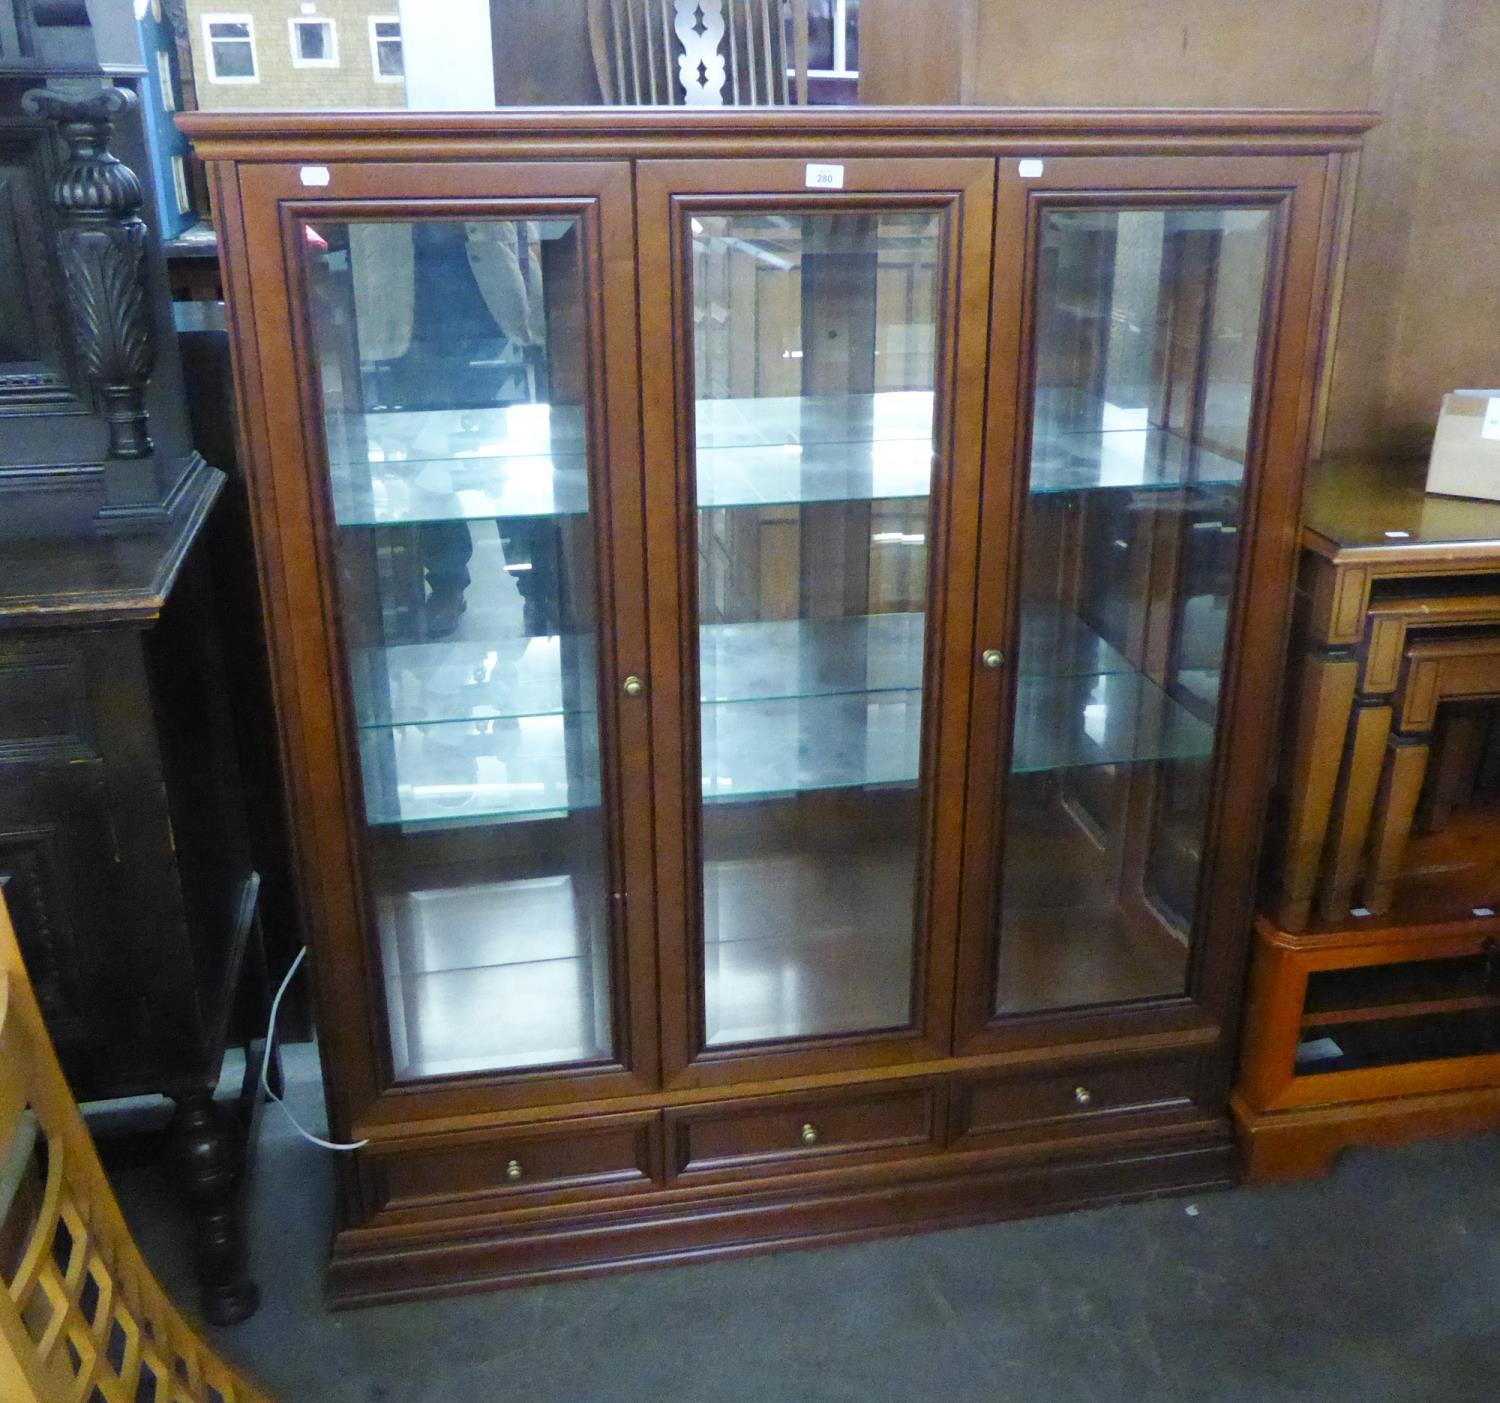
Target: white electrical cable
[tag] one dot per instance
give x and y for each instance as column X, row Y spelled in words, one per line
column 265, row 1063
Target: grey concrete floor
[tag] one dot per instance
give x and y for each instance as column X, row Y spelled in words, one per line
column 1381, row 1283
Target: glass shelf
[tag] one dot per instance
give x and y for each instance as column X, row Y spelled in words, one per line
column 412, row 683
column 1057, row 643
column 810, row 657
column 1143, row 459
column 527, row 460
column 410, row 466
column 793, row 744
column 890, row 416
column 753, row 749
column 515, row 767
column 1118, row 718
column 418, row 683
column 1080, row 442
column 777, row 451
column 455, row 772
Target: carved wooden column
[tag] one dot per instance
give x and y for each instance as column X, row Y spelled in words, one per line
column 101, row 245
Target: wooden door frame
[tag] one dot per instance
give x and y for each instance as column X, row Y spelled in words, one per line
column 291, row 505
column 1304, row 192
column 667, row 194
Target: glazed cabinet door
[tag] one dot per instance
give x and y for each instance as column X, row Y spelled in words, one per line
column 812, row 351
column 451, row 521
column 1148, row 411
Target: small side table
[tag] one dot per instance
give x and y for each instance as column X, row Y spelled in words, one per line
column 1373, row 1036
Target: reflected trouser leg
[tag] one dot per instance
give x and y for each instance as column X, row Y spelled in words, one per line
column 446, row 548
column 536, row 543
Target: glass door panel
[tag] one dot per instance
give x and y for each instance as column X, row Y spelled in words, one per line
column 1147, row 344
column 451, row 374
column 815, row 343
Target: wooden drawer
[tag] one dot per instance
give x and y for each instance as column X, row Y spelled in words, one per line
column 1075, row 1100
column 816, row 1130
column 565, row 1160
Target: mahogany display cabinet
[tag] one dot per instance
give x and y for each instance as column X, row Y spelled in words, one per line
column 777, row 620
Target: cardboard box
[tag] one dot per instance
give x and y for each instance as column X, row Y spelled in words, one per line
column 1465, row 458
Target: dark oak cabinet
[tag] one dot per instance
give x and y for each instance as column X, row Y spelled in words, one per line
column 776, row 620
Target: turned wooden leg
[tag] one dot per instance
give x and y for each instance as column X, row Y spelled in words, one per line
column 1351, row 819
column 1395, row 808
column 208, row 1149
column 1324, row 701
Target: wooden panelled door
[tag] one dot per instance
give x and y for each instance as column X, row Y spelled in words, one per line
column 455, row 508
column 813, row 376
column 1147, row 388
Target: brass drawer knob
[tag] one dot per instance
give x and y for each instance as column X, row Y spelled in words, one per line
column 1082, row 1095
column 633, row 686
column 513, row 1171
column 809, row 1134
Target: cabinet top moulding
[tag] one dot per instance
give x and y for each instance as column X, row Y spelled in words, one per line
column 680, row 132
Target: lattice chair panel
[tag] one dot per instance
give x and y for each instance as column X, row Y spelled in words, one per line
column 700, row 53
column 82, row 1319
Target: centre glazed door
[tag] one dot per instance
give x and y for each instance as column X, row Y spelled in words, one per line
column 812, row 360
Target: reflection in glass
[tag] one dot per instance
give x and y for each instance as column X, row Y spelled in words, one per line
column 1147, row 340
column 814, row 344
column 451, row 375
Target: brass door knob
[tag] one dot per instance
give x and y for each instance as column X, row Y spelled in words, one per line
column 513, row 1171
column 1082, row 1095
column 633, row 686
column 992, row 658
column 809, row 1134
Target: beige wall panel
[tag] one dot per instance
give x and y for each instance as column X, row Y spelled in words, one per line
column 1447, row 329
column 906, row 61
column 1386, row 213
column 1175, row 53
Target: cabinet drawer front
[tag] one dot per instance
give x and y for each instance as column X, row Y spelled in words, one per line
column 1075, row 1100
column 786, row 1133
column 574, row 1159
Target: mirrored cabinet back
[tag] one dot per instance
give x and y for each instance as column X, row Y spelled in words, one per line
column 777, row 620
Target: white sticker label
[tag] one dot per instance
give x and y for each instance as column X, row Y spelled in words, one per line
column 314, row 175
column 1030, row 168
column 1491, row 426
column 825, row 177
